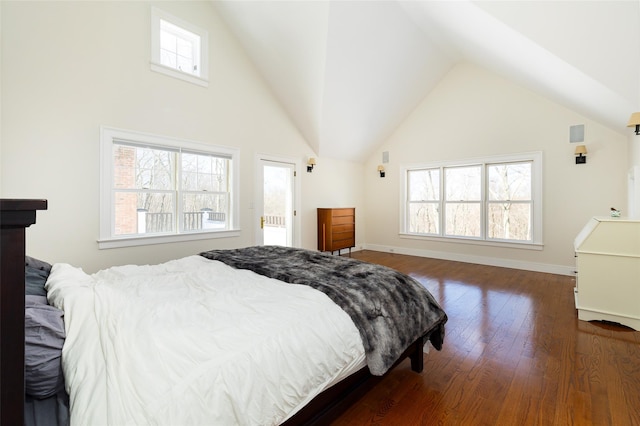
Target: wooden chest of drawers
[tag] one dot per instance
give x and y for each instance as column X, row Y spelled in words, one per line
column 336, row 229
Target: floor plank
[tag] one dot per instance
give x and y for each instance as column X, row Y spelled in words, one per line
column 514, row 354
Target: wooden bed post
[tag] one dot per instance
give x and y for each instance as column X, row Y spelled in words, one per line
column 15, row 216
column 417, row 356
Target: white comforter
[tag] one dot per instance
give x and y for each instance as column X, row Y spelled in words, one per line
column 195, row 342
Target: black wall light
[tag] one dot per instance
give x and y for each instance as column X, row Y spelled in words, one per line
column 310, row 163
column 581, row 158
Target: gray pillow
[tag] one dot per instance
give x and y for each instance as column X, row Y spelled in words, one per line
column 36, row 273
column 37, row 264
column 34, row 280
column 44, row 337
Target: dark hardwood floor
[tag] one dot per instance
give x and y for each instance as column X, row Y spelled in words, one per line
column 514, row 354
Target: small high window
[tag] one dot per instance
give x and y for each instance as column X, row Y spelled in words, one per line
column 178, row 49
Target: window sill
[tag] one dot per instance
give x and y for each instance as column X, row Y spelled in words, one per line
column 109, row 243
column 504, row 244
column 171, row 72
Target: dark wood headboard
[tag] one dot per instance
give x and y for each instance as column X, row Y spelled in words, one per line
column 15, row 216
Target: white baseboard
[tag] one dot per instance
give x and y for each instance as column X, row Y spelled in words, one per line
column 481, row 260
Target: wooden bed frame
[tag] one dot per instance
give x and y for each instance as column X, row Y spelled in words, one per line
column 15, row 217
column 334, row 401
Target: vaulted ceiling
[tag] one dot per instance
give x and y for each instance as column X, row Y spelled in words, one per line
column 349, row 72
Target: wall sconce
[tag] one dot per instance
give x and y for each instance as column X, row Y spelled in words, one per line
column 381, row 170
column 634, row 120
column 580, row 151
column 310, row 163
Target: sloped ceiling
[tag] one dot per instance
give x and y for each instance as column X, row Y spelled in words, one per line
column 349, row 72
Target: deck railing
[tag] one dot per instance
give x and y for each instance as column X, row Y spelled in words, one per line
column 193, row 221
column 275, row 221
column 163, row 222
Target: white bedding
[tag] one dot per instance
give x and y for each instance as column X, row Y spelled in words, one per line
column 195, row 342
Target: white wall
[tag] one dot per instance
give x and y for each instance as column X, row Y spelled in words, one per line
column 475, row 113
column 1, row 40
column 333, row 183
column 69, row 67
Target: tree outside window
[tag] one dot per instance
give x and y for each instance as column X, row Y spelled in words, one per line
column 146, row 193
column 492, row 201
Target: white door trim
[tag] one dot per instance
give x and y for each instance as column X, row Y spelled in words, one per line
column 257, row 199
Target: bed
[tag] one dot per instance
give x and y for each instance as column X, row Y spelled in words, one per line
column 284, row 336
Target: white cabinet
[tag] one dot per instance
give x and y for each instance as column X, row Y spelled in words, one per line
column 608, row 264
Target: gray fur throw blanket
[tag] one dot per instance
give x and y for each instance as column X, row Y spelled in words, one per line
column 390, row 309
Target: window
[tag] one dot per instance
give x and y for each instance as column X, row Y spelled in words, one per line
column 178, row 48
column 156, row 189
column 492, row 200
column 424, row 201
column 462, row 200
column 509, row 201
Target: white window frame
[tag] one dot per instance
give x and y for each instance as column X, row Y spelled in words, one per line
column 110, row 136
column 203, row 78
column 536, row 242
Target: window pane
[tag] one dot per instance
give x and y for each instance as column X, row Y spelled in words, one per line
column 168, row 42
column 507, row 221
column 423, row 218
column 143, row 168
column 510, row 181
column 143, row 212
column 463, row 183
column 185, row 64
column 204, row 173
column 277, row 189
column 463, row 219
column 168, row 59
column 124, row 166
column 205, row 211
column 185, row 48
column 179, row 48
column 424, row 185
